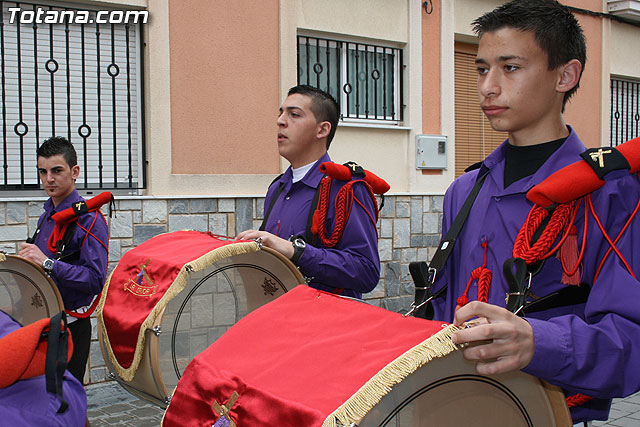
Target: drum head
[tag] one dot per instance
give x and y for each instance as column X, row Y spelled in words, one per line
column 214, row 300
column 448, row 392
column 26, row 292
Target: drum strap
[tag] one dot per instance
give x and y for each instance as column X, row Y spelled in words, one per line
column 56, row 359
column 424, row 276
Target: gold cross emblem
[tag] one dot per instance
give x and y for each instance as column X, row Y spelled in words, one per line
column 353, row 166
column 599, row 156
column 222, row 411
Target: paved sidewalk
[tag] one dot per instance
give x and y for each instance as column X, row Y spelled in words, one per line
column 111, row 405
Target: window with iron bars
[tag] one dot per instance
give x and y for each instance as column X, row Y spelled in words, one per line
column 79, row 81
column 625, row 110
column 365, row 79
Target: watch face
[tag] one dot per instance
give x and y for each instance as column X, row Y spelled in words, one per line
column 48, row 264
column 300, row 243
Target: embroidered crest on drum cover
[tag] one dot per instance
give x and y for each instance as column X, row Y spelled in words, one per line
column 269, row 287
column 224, row 419
column 36, row 301
column 141, row 285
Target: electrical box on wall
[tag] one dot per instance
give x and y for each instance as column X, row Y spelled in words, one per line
column 431, row 152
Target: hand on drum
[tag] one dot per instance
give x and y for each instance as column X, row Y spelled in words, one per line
column 269, row 240
column 32, row 253
column 511, row 342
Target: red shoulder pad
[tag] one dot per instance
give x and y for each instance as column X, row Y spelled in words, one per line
column 343, row 173
column 579, row 179
column 79, row 208
column 336, row 171
column 23, row 353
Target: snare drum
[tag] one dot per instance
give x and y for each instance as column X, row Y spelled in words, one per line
column 315, row 359
column 27, row 293
column 215, row 292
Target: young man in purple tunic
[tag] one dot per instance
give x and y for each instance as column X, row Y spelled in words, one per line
column 307, row 122
column 530, row 59
column 80, row 271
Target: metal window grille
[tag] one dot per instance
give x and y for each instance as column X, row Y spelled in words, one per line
column 80, row 81
column 365, row 79
column 625, row 111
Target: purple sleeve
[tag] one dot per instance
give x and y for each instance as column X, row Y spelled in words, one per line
column 354, row 262
column 87, row 275
column 597, row 357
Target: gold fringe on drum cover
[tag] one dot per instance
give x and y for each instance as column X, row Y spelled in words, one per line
column 358, row 405
column 176, row 287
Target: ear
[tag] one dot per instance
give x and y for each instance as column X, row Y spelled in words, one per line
column 75, row 172
column 324, row 128
column 570, row 76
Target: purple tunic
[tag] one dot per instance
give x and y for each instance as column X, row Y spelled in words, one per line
column 79, row 279
column 27, row 402
column 591, row 348
column 353, row 264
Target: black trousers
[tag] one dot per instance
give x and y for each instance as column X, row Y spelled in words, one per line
column 81, row 335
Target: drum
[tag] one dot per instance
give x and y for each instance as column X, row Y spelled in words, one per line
column 216, row 291
column 449, row 392
column 315, row 359
column 27, row 293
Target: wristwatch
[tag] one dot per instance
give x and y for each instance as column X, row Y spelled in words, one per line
column 298, row 248
column 47, row 265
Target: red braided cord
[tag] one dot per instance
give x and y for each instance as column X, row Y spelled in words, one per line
column 577, row 400
column 483, row 275
column 484, row 282
column 343, row 204
column 540, row 249
column 57, row 234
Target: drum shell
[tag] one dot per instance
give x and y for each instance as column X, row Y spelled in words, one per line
column 449, row 392
column 27, row 293
column 250, row 281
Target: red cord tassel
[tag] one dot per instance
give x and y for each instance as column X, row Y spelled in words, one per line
column 569, row 256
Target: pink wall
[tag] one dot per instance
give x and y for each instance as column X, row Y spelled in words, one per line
column 431, row 59
column 583, row 112
column 224, row 86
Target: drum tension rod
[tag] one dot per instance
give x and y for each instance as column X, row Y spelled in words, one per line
column 156, row 330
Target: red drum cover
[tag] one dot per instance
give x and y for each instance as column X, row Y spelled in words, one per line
column 309, row 358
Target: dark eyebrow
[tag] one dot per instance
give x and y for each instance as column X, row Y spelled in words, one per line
column 503, row 58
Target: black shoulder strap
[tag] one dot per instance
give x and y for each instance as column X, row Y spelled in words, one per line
column 309, row 237
column 273, row 202
column 56, row 358
column 61, row 245
column 423, row 276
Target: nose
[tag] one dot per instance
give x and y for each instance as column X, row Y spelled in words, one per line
column 281, row 121
column 49, row 176
column 489, row 84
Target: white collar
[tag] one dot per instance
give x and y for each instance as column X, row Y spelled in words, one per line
column 300, row 172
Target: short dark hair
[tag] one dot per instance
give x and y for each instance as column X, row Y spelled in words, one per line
column 555, row 29
column 57, row 145
column 323, row 106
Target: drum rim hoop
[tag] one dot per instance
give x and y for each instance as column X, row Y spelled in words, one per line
column 54, row 287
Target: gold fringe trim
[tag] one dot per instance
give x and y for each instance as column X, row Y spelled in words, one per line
column 127, row 374
column 358, row 405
